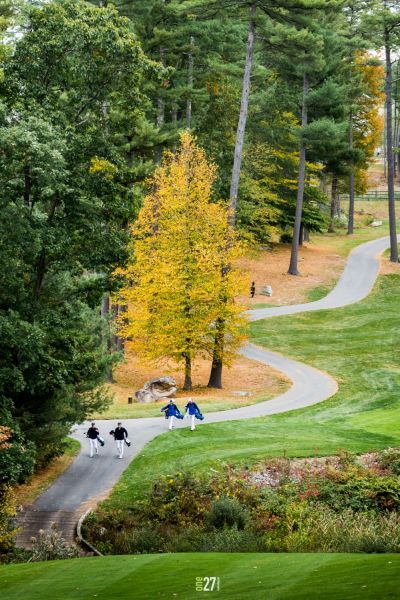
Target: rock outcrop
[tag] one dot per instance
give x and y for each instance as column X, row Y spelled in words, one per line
column 160, row 387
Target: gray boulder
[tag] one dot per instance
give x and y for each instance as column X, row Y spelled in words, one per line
column 160, row 387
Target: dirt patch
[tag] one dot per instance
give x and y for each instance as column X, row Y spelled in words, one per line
column 318, row 266
column 389, row 268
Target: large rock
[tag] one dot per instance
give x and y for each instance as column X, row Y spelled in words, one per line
column 161, row 387
column 266, row 290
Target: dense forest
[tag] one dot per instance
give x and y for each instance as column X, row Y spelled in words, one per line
column 286, row 99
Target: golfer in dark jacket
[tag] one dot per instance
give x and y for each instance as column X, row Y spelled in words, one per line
column 171, row 411
column 120, row 435
column 193, row 411
column 93, row 433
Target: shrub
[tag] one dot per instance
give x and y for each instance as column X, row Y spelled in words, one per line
column 144, row 540
column 227, row 512
column 7, row 512
column 186, row 540
column 360, row 494
column 50, row 545
column 230, row 540
column 390, row 459
column 179, row 499
column 323, row 530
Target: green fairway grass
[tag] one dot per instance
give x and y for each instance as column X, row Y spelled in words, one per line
column 358, row 345
column 241, row 576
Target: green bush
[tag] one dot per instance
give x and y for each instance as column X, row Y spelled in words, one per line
column 230, row 540
column 144, row 540
column 390, row 459
column 188, row 539
column 360, row 494
column 227, row 512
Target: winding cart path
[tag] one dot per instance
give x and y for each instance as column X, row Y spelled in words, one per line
column 87, row 480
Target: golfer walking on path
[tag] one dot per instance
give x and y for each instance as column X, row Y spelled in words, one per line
column 193, row 411
column 93, row 433
column 120, row 436
column 171, row 411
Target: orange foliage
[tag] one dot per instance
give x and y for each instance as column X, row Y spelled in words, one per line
column 368, row 121
column 5, row 435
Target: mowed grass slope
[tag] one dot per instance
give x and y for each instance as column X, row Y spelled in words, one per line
column 255, row 576
column 358, row 345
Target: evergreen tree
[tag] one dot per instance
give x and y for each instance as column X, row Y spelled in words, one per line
column 66, row 193
column 382, row 26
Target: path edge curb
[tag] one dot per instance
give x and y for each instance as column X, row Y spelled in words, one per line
column 81, row 539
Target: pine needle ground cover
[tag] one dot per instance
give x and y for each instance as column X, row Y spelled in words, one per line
column 357, row 345
column 255, row 576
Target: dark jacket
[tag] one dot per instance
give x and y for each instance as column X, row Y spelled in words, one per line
column 171, row 410
column 192, row 408
column 119, row 433
column 92, row 433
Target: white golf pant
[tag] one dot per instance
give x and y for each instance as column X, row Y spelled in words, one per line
column 120, row 447
column 171, row 422
column 93, row 446
column 192, row 422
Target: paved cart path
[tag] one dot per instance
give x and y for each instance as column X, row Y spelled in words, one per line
column 89, row 479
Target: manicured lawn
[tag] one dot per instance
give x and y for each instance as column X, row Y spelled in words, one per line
column 357, row 344
column 255, row 576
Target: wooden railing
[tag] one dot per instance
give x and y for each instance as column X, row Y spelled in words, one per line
column 372, row 195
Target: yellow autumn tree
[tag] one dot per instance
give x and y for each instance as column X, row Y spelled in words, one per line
column 174, row 285
column 369, row 123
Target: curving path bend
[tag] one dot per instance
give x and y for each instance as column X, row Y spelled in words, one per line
column 87, row 480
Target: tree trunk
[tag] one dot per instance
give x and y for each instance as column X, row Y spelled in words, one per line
column 215, row 380
column 398, row 165
column 384, row 146
column 306, row 234
column 188, row 373
column 394, row 257
column 105, row 313
column 122, row 308
column 241, row 128
column 160, row 101
column 190, row 83
column 334, row 202
column 114, row 337
column 300, row 188
column 301, row 234
column 350, row 224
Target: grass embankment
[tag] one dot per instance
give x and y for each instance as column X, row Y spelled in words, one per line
column 39, row 482
column 358, row 345
column 255, row 576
